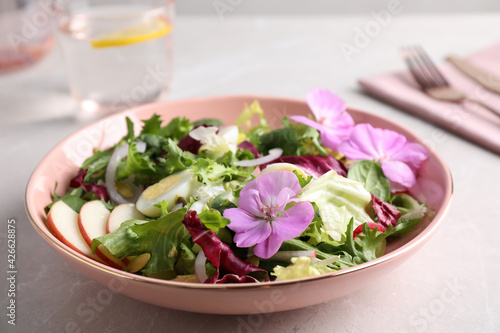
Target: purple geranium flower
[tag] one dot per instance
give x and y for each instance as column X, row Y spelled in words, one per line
column 398, row 157
column 332, row 120
column 261, row 218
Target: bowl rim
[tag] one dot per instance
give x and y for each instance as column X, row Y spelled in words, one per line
column 424, row 235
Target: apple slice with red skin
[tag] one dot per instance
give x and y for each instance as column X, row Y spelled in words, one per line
column 62, row 221
column 379, row 251
column 122, row 213
column 371, row 225
column 92, row 222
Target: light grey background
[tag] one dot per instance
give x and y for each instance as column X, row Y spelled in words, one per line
column 285, row 7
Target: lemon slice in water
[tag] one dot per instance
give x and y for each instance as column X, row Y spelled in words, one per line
column 135, row 34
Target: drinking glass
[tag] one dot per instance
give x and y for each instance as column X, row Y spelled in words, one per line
column 117, row 52
column 25, row 32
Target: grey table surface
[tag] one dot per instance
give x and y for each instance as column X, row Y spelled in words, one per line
column 450, row 285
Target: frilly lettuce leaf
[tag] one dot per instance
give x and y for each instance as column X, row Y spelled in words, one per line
column 368, row 245
column 304, row 267
column 244, row 122
column 212, row 173
column 338, row 199
column 176, row 129
column 161, row 238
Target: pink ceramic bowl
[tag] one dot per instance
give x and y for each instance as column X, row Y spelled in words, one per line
column 61, row 164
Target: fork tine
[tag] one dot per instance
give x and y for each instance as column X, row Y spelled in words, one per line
column 415, row 67
column 429, row 64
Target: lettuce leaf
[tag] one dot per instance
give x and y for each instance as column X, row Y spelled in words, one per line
column 162, row 238
column 135, row 163
column 151, row 125
column 408, row 206
column 175, row 159
column 338, row 199
column 213, row 220
column 303, row 267
column 370, row 174
column 284, row 138
column 308, row 139
column 368, row 245
column 96, row 165
column 247, row 130
column 176, row 129
column 212, row 173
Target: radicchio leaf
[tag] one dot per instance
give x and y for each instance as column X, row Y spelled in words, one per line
column 189, row 144
column 98, row 190
column 247, row 145
column 314, row 165
column 387, row 214
column 77, row 181
column 220, row 255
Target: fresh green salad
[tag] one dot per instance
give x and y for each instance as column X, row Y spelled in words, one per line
column 208, row 202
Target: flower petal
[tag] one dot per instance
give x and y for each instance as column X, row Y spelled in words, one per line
column 330, row 140
column 324, row 103
column 340, row 123
column 294, row 221
column 283, row 198
column 360, row 145
column 258, row 234
column 271, row 184
column 399, row 172
column 368, row 143
column 269, row 247
column 241, row 220
column 308, row 122
column 334, row 130
column 286, row 227
column 413, row 153
column 250, row 200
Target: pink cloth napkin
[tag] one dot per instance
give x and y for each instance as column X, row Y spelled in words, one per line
column 469, row 121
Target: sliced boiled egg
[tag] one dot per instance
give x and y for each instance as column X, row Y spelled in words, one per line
column 284, row 167
column 180, row 184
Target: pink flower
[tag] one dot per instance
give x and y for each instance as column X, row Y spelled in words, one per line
column 332, row 120
column 398, row 157
column 261, row 218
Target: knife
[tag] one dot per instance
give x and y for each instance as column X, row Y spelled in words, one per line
column 486, row 79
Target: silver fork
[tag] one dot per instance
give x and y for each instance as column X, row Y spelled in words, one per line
column 432, row 81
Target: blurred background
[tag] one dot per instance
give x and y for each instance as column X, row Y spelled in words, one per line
column 292, row 7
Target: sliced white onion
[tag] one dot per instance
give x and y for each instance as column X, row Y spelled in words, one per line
column 328, row 261
column 273, row 154
column 177, row 207
column 203, row 134
column 140, row 146
column 197, row 206
column 287, row 256
column 199, row 267
column 118, row 154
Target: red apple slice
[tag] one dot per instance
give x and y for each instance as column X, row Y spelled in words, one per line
column 63, row 223
column 92, row 222
column 122, row 213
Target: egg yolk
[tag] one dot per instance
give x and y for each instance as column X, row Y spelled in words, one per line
column 161, row 187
